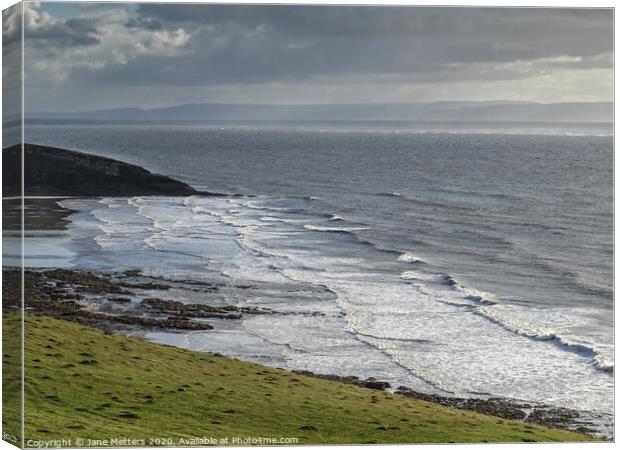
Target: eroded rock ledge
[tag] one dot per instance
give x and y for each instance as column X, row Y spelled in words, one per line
column 69, row 294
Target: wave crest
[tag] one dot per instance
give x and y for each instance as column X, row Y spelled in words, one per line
column 409, row 258
column 334, row 229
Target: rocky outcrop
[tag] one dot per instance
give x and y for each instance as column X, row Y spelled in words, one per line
column 369, row 383
column 503, row 408
column 52, row 171
column 61, row 293
column 176, row 308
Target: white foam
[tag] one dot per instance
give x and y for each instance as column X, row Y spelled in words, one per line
column 281, row 220
column 414, row 275
column 501, row 315
column 334, row 229
column 409, row 257
column 604, row 363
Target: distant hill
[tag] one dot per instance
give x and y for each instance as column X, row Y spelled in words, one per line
column 432, row 112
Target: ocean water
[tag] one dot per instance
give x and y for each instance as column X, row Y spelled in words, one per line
column 453, row 261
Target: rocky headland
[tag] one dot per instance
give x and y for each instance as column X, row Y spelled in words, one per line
column 50, row 171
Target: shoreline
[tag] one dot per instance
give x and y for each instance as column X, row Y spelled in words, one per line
column 153, row 395
column 62, row 294
column 40, row 213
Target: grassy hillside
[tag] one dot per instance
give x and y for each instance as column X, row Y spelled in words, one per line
column 82, row 383
column 11, row 376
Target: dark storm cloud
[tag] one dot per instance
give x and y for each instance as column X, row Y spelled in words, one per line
column 146, row 23
column 324, row 20
column 259, row 43
column 48, row 30
column 82, row 25
column 11, row 66
column 63, row 34
column 369, row 20
column 246, row 60
column 536, row 32
column 11, row 25
column 204, row 46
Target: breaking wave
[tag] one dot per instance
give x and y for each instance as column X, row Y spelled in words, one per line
column 334, row 229
column 599, row 361
column 484, row 304
column 409, row 258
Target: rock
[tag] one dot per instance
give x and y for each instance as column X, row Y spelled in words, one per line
column 369, row 383
column 378, row 385
column 133, row 273
column 171, row 322
column 43, row 298
column 506, row 409
column 199, row 310
column 53, row 171
column 147, row 286
column 84, row 281
column 119, row 299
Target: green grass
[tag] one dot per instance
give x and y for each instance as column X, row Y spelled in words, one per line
column 11, row 377
column 82, row 383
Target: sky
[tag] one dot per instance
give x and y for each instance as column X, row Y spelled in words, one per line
column 85, row 56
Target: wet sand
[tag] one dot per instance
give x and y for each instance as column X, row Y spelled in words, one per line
column 40, row 213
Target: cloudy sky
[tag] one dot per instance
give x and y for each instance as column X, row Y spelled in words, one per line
column 81, row 56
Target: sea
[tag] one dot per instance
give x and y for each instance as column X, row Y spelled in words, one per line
column 470, row 260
